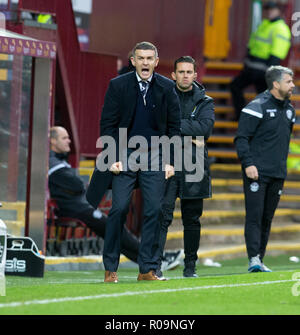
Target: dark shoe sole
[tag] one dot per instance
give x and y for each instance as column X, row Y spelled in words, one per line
column 190, row 275
column 255, row 268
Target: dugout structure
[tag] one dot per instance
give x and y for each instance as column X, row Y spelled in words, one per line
column 26, row 69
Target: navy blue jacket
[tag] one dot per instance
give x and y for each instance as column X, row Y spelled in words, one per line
column 119, row 110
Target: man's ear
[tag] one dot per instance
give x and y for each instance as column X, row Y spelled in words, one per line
column 276, row 85
column 132, row 61
column 195, row 76
column 173, row 75
column 52, row 142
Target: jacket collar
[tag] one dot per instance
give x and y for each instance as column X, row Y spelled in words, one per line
column 61, row 156
column 197, row 93
column 281, row 103
column 140, row 79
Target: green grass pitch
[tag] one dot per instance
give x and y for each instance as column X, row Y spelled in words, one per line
column 228, row 290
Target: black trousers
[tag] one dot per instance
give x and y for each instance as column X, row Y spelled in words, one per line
column 247, row 77
column 191, row 211
column 129, row 243
column 152, row 185
column 261, row 200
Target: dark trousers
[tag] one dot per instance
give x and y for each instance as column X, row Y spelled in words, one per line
column 191, row 211
column 261, row 200
column 248, row 76
column 129, row 243
column 151, row 184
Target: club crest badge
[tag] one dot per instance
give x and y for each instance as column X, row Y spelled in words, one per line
column 254, row 187
column 289, row 114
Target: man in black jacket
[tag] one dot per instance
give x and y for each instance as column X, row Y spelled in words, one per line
column 145, row 105
column 262, row 144
column 197, row 119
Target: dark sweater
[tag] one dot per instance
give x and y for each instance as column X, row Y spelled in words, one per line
column 143, row 121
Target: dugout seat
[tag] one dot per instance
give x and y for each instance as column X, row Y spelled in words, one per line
column 68, row 236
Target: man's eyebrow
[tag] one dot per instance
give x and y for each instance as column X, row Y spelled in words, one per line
column 145, row 56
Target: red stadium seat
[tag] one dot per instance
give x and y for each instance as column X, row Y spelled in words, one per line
column 69, row 236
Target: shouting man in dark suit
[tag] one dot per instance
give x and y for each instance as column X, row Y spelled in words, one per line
column 144, row 104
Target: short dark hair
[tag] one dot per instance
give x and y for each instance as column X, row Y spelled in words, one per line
column 275, row 73
column 271, row 5
column 145, row 46
column 185, row 59
column 53, row 132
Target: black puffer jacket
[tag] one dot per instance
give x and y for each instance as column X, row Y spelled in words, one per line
column 197, row 120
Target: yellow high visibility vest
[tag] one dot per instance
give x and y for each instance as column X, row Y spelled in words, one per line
column 294, row 163
column 270, row 39
column 44, row 18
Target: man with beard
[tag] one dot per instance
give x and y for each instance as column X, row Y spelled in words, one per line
column 262, row 144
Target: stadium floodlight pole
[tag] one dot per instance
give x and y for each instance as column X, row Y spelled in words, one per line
column 2, row 256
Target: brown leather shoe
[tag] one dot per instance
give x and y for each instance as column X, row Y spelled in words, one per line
column 148, row 276
column 110, row 277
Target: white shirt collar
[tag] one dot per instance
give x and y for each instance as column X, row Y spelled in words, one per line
column 139, row 79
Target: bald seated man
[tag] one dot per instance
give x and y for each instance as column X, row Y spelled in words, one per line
column 67, row 188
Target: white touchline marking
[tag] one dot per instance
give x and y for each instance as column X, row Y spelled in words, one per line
column 130, row 293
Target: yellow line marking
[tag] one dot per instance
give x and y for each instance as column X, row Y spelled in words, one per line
column 231, row 213
column 240, row 196
column 232, row 232
column 87, row 163
column 242, row 248
column 79, row 259
column 223, row 65
column 239, row 182
column 201, row 254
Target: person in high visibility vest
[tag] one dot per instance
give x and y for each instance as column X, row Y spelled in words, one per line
column 268, row 45
column 44, row 18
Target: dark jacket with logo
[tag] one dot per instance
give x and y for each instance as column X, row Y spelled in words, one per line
column 263, row 135
column 198, row 117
